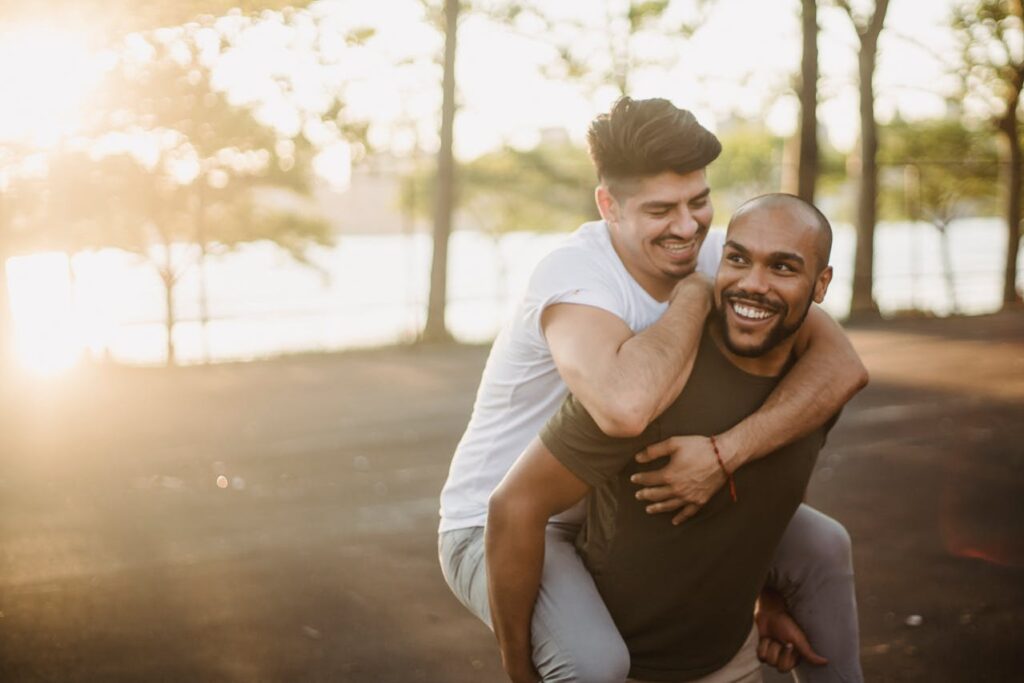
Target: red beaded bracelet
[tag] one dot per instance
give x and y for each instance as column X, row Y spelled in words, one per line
column 728, row 474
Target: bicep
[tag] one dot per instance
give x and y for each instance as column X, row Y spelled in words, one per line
column 584, row 341
column 540, row 482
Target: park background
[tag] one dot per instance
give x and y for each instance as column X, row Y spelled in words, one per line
column 239, row 190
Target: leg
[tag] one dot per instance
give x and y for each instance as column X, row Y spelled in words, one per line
column 574, row 637
column 813, row 570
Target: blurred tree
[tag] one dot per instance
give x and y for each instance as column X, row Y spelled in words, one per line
column 946, row 171
column 107, row 21
column 435, row 329
column 991, row 36
column 868, row 28
column 189, row 168
column 750, row 164
column 607, row 51
column 807, row 157
column 549, row 187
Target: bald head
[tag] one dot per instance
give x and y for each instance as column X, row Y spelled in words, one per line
column 780, row 203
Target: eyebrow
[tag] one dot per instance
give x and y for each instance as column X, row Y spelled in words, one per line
column 657, row 204
column 774, row 256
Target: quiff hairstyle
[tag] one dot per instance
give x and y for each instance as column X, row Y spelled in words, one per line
column 642, row 138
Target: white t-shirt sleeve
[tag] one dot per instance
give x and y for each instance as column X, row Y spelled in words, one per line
column 570, row 276
column 711, row 252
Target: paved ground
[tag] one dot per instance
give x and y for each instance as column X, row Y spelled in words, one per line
column 275, row 521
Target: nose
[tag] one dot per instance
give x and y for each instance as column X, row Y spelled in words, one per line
column 755, row 280
column 685, row 226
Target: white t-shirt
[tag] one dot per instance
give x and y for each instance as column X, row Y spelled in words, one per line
column 520, row 387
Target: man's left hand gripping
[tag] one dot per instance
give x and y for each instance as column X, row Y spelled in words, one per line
column 686, row 482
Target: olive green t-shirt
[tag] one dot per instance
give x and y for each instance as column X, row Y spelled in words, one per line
column 683, row 596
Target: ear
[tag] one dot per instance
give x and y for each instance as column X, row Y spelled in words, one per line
column 606, row 204
column 821, row 284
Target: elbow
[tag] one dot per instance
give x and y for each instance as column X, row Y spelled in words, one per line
column 625, row 417
column 622, row 424
column 860, row 376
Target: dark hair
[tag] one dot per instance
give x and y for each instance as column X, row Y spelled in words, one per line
column 640, row 138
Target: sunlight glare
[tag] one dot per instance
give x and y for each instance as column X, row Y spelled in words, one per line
column 45, row 338
column 45, row 74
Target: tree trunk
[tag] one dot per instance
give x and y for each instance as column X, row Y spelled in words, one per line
column 6, row 318
column 1011, row 169
column 867, row 192
column 807, row 164
column 947, row 265
column 168, row 280
column 204, row 315
column 435, row 329
column 862, row 303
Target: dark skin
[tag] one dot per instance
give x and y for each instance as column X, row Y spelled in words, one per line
column 776, row 291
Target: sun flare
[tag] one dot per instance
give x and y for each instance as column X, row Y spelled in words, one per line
column 46, row 340
column 45, row 73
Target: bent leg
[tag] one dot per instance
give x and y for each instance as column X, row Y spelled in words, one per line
column 813, row 570
column 574, row 637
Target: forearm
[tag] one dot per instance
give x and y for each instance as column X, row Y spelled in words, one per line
column 655, row 364
column 515, row 559
column 827, row 375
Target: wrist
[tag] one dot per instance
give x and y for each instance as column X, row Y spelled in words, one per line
column 734, row 448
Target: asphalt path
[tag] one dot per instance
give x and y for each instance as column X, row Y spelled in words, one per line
column 275, row 521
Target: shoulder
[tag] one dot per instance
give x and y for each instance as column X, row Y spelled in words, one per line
column 580, row 262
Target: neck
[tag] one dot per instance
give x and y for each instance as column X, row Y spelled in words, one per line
column 769, row 364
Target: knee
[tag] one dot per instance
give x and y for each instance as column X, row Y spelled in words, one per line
column 830, row 549
column 597, row 662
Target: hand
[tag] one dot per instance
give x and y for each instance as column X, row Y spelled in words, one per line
column 694, row 284
column 686, row 483
column 783, row 643
column 520, row 669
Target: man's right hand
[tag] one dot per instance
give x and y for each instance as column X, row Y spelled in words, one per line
column 694, row 285
column 783, row 643
column 520, row 669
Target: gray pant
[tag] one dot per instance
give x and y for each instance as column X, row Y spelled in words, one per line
column 575, row 639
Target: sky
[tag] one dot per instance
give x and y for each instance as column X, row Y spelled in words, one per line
column 739, row 62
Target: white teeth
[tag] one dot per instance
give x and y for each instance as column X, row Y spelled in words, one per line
column 675, row 246
column 750, row 312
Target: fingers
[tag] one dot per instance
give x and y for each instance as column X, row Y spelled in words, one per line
column 652, row 478
column 665, row 506
column 655, row 494
column 655, row 451
column 788, row 659
column 768, row 651
column 685, row 514
column 803, row 648
column 773, row 653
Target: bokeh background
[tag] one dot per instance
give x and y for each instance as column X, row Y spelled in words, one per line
column 202, row 202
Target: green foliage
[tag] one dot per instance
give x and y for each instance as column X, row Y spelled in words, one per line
column 937, row 171
column 546, row 188
column 750, row 164
column 109, row 20
column 992, row 51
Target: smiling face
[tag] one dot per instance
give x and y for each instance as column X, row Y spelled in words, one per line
column 769, row 275
column 657, row 224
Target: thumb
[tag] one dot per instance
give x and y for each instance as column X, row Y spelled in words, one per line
column 806, row 651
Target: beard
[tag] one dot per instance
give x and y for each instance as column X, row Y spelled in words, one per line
column 778, row 332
